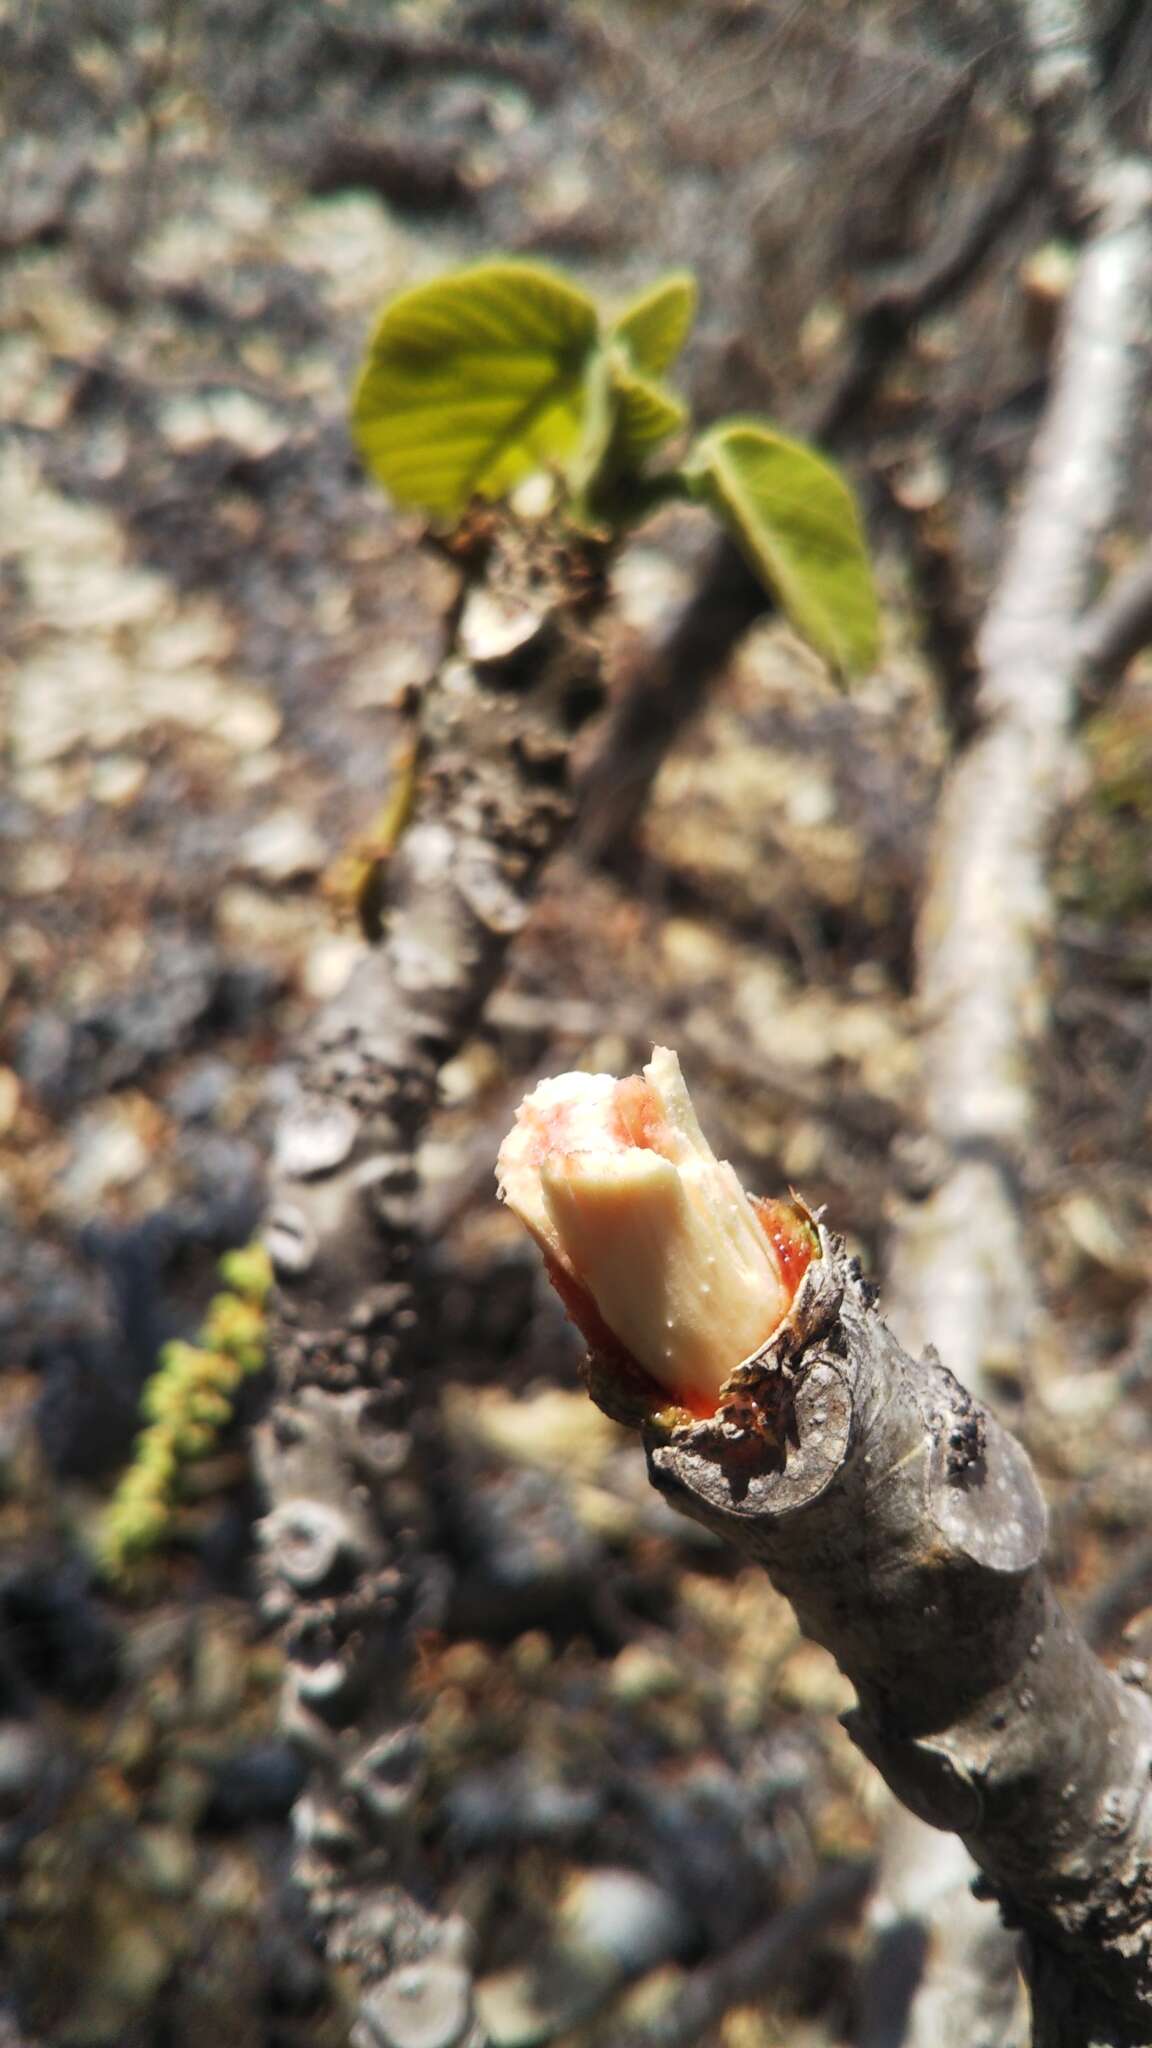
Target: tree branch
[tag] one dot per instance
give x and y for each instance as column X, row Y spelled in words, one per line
column 907, row 1529
column 351, row 1550
column 1119, row 626
column 914, row 290
column 959, row 1273
column 958, row 1264
column 758, row 1964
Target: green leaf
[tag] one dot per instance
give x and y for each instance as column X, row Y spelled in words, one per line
column 797, row 521
column 626, row 418
column 655, row 326
column 472, row 382
column 599, row 420
column 646, row 415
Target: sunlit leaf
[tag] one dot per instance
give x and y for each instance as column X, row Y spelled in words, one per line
column 655, row 326
column 626, row 418
column 797, row 520
column 472, row 382
column 599, row 421
column 646, row 415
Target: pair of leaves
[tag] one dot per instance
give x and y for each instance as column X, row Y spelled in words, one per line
column 473, row 382
column 481, row 378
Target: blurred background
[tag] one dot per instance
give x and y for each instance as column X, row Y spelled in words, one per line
column 210, row 626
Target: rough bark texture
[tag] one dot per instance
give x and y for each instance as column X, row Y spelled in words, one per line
column 907, row 1529
column 350, row 1550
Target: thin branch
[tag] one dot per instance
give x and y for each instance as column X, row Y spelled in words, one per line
column 913, row 291
column 759, row 1964
column 905, row 1526
column 944, row 620
column 1065, row 87
column 665, row 697
column 959, row 1258
column 907, row 1529
column 1119, row 626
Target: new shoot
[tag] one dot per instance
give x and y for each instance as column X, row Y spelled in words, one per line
column 669, row 1269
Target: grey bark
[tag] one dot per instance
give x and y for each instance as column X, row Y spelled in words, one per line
column 960, row 1274
column 350, row 1445
column 942, row 1970
column 907, row 1529
column 986, row 912
column 1119, row 627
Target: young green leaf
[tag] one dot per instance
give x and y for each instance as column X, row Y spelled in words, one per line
column 796, row 519
column 627, row 417
column 472, row 382
column 655, row 326
column 599, row 421
column 646, row 415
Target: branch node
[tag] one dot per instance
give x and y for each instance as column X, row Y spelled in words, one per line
column 930, row 1779
column 315, row 1136
column 422, row 2005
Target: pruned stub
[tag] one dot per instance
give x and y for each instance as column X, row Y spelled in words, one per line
column 760, row 1413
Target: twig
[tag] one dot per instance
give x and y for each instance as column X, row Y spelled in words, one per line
column 773, row 1955
column 729, row 600
column 913, row 291
column 944, row 619
column 664, row 697
column 351, row 1550
column 1065, row 86
column 1119, row 626
column 424, row 176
